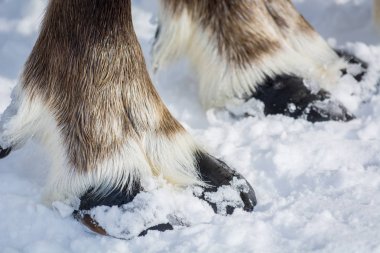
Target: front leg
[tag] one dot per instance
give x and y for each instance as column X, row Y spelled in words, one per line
column 226, row 189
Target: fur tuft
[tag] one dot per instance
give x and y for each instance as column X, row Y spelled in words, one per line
column 236, row 46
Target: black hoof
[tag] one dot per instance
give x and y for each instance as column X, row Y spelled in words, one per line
column 91, row 200
column 289, row 96
column 4, row 152
column 94, row 226
column 351, row 59
column 219, row 177
column 116, row 197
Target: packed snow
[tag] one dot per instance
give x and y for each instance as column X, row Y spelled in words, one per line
column 318, row 185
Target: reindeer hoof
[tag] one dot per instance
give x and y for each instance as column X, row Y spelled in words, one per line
column 227, row 189
column 114, row 200
column 359, row 72
column 289, row 96
column 90, row 222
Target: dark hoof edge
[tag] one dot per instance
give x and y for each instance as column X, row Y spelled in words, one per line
column 4, row 152
column 93, row 225
column 213, row 172
column 89, row 222
column 90, row 200
column 289, row 96
column 116, row 197
column 217, row 174
column 352, row 59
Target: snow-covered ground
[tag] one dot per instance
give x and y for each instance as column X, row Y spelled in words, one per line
column 318, row 186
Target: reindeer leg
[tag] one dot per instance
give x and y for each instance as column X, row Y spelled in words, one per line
column 260, row 49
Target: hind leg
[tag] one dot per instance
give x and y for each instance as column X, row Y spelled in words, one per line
column 241, row 49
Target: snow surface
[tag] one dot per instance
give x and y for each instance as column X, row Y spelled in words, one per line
column 318, row 185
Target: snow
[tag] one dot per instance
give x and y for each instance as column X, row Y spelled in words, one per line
column 318, row 185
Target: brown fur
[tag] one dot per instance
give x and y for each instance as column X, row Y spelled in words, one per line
column 241, row 26
column 239, row 39
column 87, row 65
column 287, row 17
column 243, row 43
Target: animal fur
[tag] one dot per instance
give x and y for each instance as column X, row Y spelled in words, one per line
column 235, row 46
column 86, row 94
